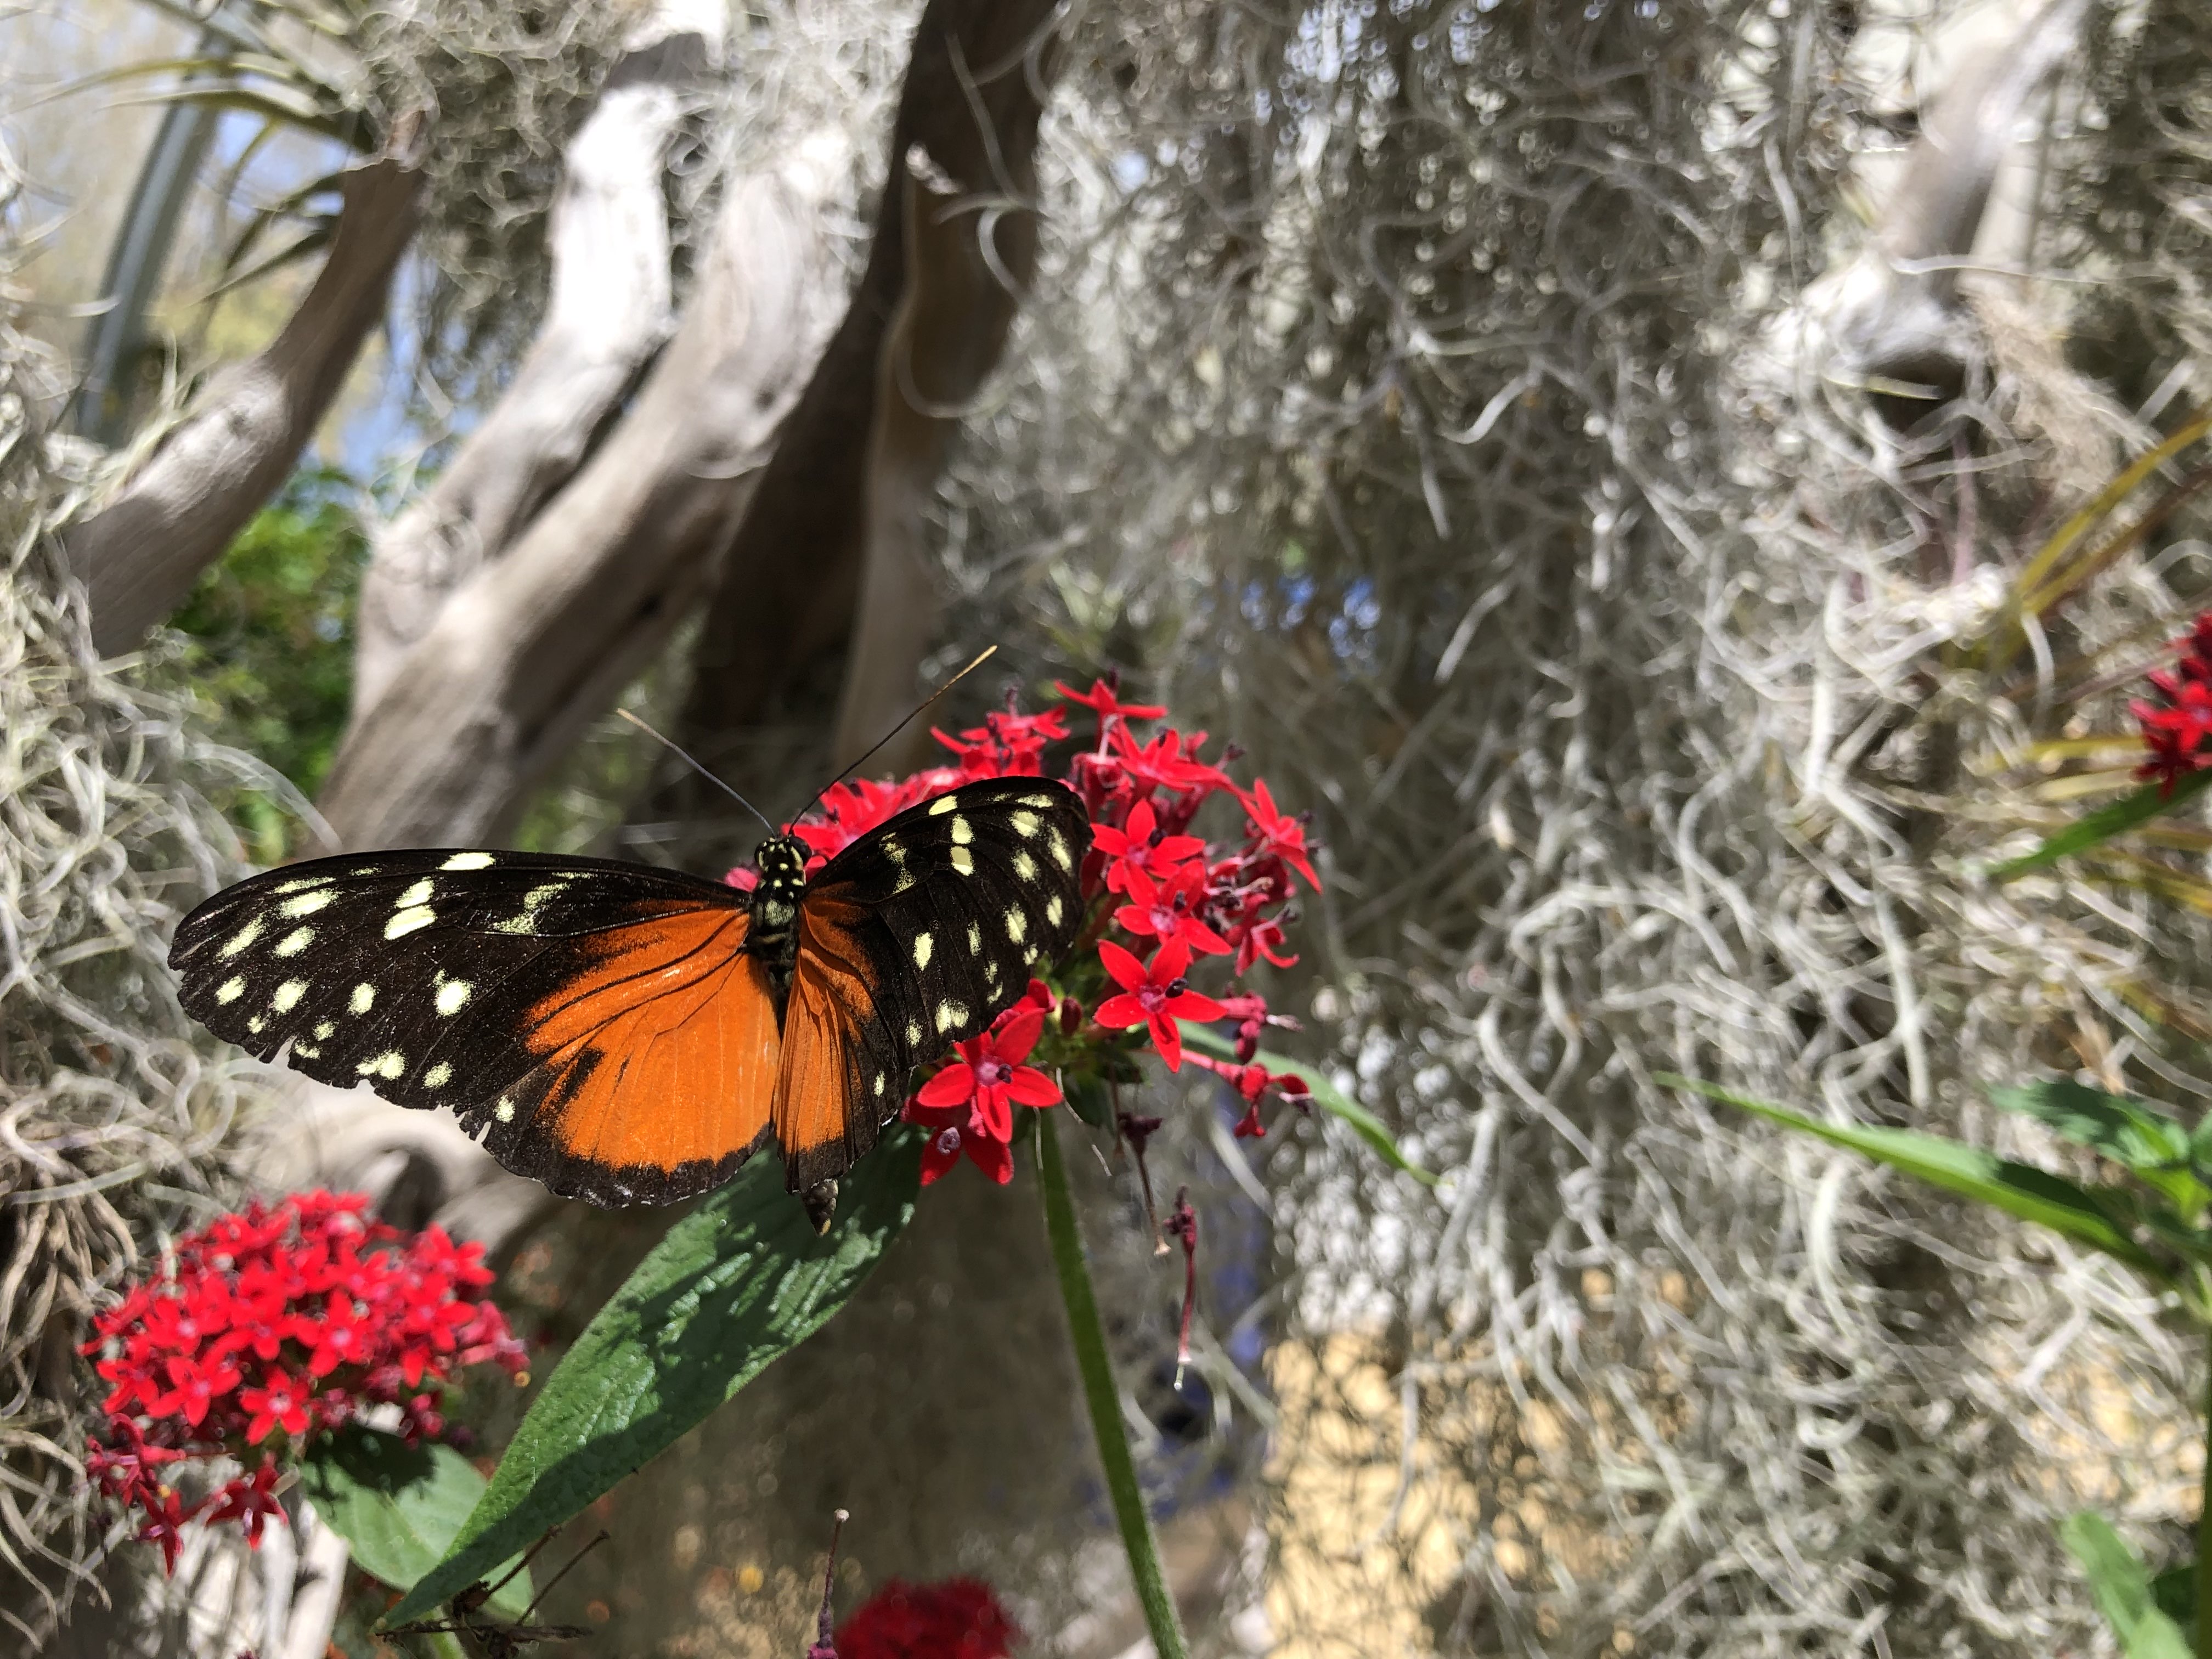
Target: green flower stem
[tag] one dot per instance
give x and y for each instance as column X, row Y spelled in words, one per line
column 1105, row 1401
column 2204, row 1535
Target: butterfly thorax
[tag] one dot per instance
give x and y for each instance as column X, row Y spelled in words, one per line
column 773, row 935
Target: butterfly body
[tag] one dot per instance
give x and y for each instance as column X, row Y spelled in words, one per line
column 632, row 1035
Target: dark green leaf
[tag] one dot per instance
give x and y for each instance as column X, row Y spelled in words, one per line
column 1332, row 1099
column 399, row 1507
column 736, row 1282
column 2123, row 815
column 2122, row 1590
column 2174, row 1590
column 2019, row 1189
column 2133, row 1133
column 1089, row 1098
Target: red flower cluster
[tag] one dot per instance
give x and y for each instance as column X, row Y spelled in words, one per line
column 1171, row 897
column 959, row 1618
column 2177, row 728
column 271, row 1327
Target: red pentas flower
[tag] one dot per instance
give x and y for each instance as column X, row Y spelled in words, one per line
column 271, row 1327
column 970, row 1102
column 1154, row 997
column 958, row 1618
column 2178, row 725
column 1142, row 848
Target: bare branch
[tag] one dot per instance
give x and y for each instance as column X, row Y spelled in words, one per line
column 139, row 556
column 971, row 102
column 1896, row 314
column 608, row 311
column 531, row 647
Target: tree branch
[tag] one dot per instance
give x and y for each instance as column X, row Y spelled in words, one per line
column 139, row 556
column 533, row 645
column 608, row 311
column 972, row 99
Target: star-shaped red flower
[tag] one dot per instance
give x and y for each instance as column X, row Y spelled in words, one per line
column 1140, row 846
column 1169, row 909
column 1155, row 997
column 1277, row 833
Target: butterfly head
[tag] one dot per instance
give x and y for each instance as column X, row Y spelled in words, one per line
column 782, row 861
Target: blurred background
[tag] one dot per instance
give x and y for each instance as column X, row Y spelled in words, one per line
column 1563, row 444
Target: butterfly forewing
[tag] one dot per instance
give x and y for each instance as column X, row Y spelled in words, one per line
column 526, row 992
column 913, row 939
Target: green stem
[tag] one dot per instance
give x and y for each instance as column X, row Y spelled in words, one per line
column 2204, row 1534
column 1089, row 1334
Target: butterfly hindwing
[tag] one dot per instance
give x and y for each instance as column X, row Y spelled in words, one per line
column 913, row 939
column 525, row 992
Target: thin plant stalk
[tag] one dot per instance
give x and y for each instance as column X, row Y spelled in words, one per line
column 1088, row 1332
column 2204, row 1529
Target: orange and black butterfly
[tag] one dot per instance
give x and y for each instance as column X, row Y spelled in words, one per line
column 630, row 1035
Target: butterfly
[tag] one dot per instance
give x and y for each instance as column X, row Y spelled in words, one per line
column 626, row 1034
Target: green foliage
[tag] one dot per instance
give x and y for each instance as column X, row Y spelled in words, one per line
column 735, row 1284
column 2094, row 829
column 2122, row 1587
column 269, row 643
column 399, row 1507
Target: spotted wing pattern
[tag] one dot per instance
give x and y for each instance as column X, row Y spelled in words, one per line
column 599, row 1024
column 913, row 939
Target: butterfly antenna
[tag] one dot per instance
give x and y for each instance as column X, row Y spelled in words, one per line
column 559, row 1576
column 695, row 765
column 920, row 709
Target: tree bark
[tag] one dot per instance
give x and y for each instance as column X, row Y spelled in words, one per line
column 608, row 311
column 974, row 93
column 531, row 647
column 139, row 556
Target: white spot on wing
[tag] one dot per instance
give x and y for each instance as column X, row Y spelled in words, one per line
column 950, row 1014
column 308, row 902
column 1040, row 801
column 230, row 990
column 943, row 804
column 451, row 995
column 323, row 1028
column 1017, row 923
column 913, row 1034
column 412, row 919
column 301, row 887
column 505, row 1110
column 1026, row 823
column 364, row 998
column 964, row 860
column 962, row 832
column 881, row 1085
column 1060, row 855
column 1025, row 866
column 975, row 940
column 1052, row 908
column 418, row 894
column 389, row 1064
column 255, row 1024
column 923, row 947
column 438, row 1076
column 243, row 938
column 466, row 861
column 288, row 995
column 295, row 941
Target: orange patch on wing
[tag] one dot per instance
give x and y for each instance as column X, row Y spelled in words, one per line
column 825, row 1117
column 665, row 1052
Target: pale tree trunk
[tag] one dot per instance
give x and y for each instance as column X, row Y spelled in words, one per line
column 535, row 644
column 975, row 86
column 1895, row 314
column 608, row 311
column 139, row 556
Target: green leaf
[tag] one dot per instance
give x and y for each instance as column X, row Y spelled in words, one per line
column 2174, row 1591
column 2106, row 821
column 2122, row 1590
column 2019, row 1189
column 1332, row 1099
column 1087, row 1096
column 399, row 1507
column 2133, row 1133
column 740, row 1280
